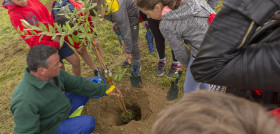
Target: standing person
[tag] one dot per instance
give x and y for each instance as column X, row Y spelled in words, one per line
column 58, row 13
column 181, row 22
column 125, row 14
column 160, row 45
column 39, row 104
column 33, row 11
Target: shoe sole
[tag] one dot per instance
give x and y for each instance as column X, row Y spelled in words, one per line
column 160, row 74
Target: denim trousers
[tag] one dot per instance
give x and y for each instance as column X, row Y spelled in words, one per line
column 80, row 124
column 190, row 84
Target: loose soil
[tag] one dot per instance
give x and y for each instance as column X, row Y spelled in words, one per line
column 146, row 102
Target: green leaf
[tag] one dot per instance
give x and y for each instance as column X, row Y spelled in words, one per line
column 71, row 40
column 43, row 27
column 75, row 39
column 25, row 31
column 81, row 43
column 61, row 41
column 120, row 77
column 68, row 25
column 27, row 37
column 116, row 77
column 40, row 38
column 19, row 31
column 51, row 29
column 59, row 29
column 64, row 28
column 125, row 70
column 33, row 32
column 25, row 23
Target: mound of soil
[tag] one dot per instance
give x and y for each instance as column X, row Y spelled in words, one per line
column 146, row 102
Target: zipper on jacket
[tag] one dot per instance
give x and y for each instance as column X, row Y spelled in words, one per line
column 246, row 35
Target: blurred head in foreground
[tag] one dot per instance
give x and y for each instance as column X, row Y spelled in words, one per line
column 205, row 112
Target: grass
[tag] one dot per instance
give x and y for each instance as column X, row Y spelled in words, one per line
column 13, row 55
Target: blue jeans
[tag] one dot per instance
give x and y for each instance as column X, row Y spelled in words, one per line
column 79, row 124
column 190, row 84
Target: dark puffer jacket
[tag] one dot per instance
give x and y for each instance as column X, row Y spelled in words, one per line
column 235, row 54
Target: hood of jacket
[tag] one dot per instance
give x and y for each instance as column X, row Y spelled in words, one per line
column 189, row 8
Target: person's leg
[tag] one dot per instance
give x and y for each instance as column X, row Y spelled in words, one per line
column 86, row 57
column 190, row 84
column 135, row 50
column 160, row 45
column 74, row 60
column 67, row 53
column 174, row 66
column 173, row 57
column 159, row 39
column 205, row 86
column 76, row 101
column 77, row 125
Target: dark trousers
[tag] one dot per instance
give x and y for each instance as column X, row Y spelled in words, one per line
column 159, row 39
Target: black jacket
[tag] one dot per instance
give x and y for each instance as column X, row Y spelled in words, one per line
column 235, row 54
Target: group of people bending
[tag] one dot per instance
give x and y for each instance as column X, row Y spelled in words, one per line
column 237, row 48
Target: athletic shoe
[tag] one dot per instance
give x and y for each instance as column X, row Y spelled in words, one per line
column 173, row 70
column 160, row 69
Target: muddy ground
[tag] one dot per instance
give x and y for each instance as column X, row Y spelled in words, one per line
column 146, row 103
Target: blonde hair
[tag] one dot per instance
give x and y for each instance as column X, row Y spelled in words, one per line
column 205, row 112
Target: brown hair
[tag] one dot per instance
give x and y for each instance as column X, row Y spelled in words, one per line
column 215, row 113
column 150, row 4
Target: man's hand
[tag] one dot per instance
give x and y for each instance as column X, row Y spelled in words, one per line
column 116, row 94
column 128, row 57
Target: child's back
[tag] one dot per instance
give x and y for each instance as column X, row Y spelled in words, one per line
column 34, row 12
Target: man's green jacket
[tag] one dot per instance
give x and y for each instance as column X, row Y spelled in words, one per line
column 40, row 106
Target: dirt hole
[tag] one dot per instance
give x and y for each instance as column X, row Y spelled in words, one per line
column 137, row 114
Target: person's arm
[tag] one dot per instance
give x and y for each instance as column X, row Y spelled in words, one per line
column 227, row 58
column 34, row 40
column 176, row 44
column 26, row 117
column 122, row 19
column 82, row 86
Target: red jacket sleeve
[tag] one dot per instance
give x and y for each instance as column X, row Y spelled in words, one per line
column 34, row 40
